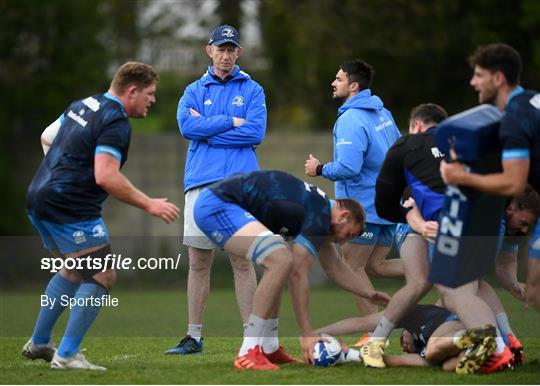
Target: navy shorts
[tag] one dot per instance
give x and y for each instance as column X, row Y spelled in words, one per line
column 69, row 238
column 376, row 234
column 217, row 219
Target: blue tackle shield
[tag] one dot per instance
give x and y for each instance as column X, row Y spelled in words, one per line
column 469, row 226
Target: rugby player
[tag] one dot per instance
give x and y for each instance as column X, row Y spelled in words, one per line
column 496, row 78
column 363, row 133
column 249, row 215
column 88, row 145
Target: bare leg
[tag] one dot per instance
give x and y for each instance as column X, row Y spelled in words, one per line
column 532, row 296
column 377, row 264
column 245, row 283
column 463, row 301
column 357, row 256
column 440, row 345
column 414, row 256
column 351, row 325
column 198, row 287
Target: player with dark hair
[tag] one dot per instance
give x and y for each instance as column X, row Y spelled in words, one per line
column 497, row 69
column 412, row 162
column 88, row 146
column 363, row 132
column 249, row 215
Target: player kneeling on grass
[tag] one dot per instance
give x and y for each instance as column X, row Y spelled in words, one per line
column 85, row 149
column 248, row 215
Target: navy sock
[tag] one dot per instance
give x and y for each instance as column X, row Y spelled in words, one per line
column 80, row 319
column 58, row 286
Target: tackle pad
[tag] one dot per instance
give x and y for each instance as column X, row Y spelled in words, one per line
column 469, row 226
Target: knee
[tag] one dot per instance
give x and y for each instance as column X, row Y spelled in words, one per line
column 280, row 260
column 420, row 287
column 107, row 279
column 200, row 261
column 241, row 265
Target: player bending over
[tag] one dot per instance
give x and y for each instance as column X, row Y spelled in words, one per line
column 249, row 215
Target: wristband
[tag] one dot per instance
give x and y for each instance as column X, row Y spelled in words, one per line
column 318, row 170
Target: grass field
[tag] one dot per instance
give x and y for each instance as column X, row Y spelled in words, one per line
column 130, row 340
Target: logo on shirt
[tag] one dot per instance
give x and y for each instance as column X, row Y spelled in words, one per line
column 535, row 101
column 98, row 231
column 207, row 102
column 77, row 118
column 238, row 100
column 383, row 125
column 91, row 103
column 79, row 237
column 343, row 142
column 436, row 152
column 367, row 235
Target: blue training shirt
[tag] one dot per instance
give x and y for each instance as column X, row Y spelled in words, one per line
column 283, row 203
column 64, row 189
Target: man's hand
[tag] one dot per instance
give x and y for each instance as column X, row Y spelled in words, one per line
column 308, row 343
column 453, row 173
column 430, row 230
column 311, row 166
column 194, row 112
column 518, row 290
column 238, row 121
column 160, row 207
column 379, row 298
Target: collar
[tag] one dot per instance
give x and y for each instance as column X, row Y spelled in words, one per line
column 518, row 90
column 112, row 97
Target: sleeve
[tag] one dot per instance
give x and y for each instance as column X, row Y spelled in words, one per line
column 252, row 132
column 514, row 137
column 351, row 144
column 113, row 139
column 391, row 184
column 199, row 127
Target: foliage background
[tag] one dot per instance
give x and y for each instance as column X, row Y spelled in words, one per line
column 54, row 52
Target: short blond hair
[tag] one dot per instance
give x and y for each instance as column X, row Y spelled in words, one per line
column 133, row 73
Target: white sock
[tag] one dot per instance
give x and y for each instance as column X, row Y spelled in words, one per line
column 384, row 328
column 270, row 341
column 499, row 341
column 195, row 331
column 457, row 335
column 245, row 325
column 503, row 324
column 352, row 356
column 252, row 334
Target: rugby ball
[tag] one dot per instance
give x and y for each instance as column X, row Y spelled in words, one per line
column 327, row 354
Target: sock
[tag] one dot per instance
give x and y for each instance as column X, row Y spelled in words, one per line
column 58, row 286
column 245, row 325
column 270, row 341
column 195, row 331
column 352, row 356
column 503, row 324
column 500, row 342
column 457, row 335
column 252, row 334
column 384, row 328
column 80, row 319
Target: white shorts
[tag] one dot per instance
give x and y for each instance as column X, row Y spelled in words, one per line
column 193, row 236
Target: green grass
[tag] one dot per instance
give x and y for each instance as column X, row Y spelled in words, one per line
column 131, row 338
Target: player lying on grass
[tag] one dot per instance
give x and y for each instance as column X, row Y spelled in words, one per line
column 431, row 336
column 248, row 215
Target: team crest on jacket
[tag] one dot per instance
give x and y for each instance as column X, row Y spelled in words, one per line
column 238, row 100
